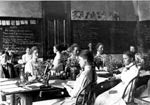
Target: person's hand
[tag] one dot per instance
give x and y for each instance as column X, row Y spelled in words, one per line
column 114, row 75
column 31, row 78
column 64, row 85
column 111, row 78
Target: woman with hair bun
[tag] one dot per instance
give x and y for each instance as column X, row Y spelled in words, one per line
column 57, row 64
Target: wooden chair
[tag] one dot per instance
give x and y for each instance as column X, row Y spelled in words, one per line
column 132, row 86
column 86, row 96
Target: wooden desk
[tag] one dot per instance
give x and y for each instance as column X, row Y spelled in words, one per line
column 9, row 87
column 104, row 74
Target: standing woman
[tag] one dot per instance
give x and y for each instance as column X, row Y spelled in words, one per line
column 84, row 78
column 32, row 66
column 27, row 56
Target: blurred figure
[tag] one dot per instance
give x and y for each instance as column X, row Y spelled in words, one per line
column 27, row 56
column 100, row 57
column 7, row 65
column 138, row 57
column 90, row 47
column 85, row 77
column 72, row 65
column 133, row 50
column 32, row 67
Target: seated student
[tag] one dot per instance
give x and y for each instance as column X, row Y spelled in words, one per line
column 6, row 66
column 137, row 56
column 114, row 95
column 57, row 64
column 84, row 78
column 90, row 47
column 2, row 75
column 133, row 50
column 6, row 70
column 72, row 62
column 32, row 67
column 100, row 58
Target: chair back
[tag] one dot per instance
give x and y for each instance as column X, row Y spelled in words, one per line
column 129, row 91
column 86, row 95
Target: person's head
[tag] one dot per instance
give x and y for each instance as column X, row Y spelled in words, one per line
column 85, row 58
column 127, row 58
column 100, row 48
column 27, row 50
column 90, row 46
column 57, row 48
column 75, row 49
column 34, row 52
column 132, row 49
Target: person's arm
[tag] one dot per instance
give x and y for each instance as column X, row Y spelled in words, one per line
column 78, row 87
column 23, row 59
column 68, row 88
column 117, row 76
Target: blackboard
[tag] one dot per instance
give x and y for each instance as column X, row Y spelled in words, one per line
column 24, row 33
column 116, row 36
column 144, row 30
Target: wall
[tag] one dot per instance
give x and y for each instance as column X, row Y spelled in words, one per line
column 103, row 9
column 21, row 9
column 144, row 10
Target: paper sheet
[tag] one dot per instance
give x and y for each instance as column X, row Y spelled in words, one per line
column 101, row 79
column 146, row 99
column 3, row 79
column 8, row 82
column 8, row 86
column 36, row 84
column 13, row 90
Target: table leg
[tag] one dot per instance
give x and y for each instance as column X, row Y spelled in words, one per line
column 3, row 98
column 12, row 99
column 148, row 87
column 26, row 99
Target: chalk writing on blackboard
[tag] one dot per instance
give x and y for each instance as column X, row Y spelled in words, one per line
column 17, row 36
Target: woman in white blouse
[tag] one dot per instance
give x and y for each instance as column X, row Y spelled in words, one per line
column 114, row 95
column 32, row 66
column 84, row 78
column 27, row 56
